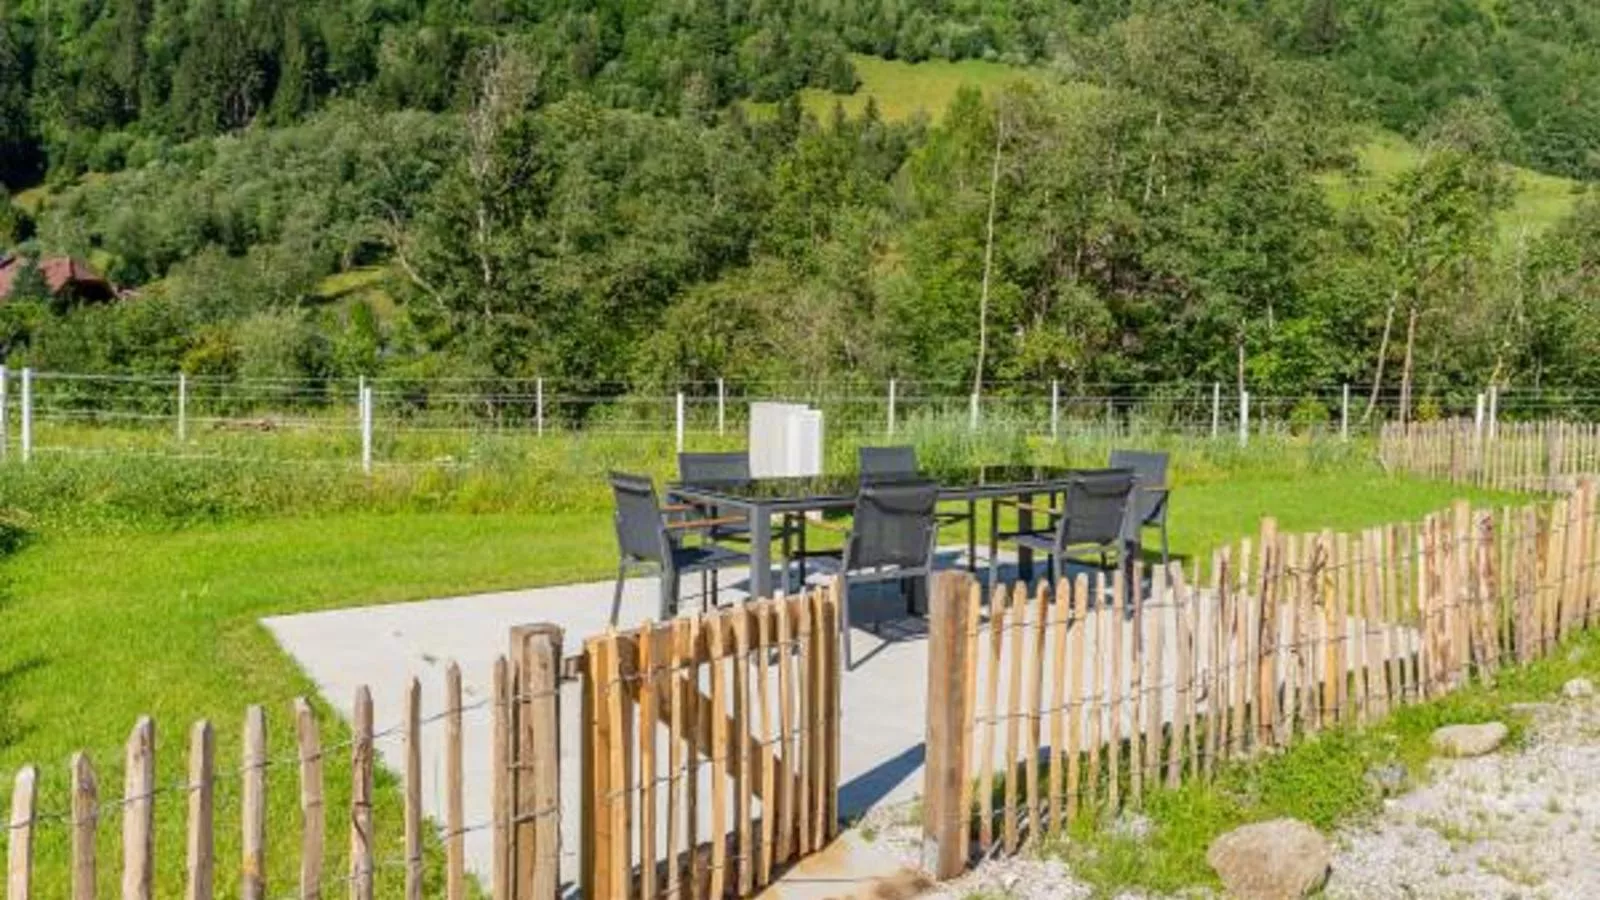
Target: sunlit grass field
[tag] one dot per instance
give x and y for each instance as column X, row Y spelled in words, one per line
column 136, row 585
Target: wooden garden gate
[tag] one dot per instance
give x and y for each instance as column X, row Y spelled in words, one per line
column 710, row 749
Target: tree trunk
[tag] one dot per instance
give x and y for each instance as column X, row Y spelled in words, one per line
column 988, row 257
column 1405, row 377
column 1239, row 345
column 1383, row 357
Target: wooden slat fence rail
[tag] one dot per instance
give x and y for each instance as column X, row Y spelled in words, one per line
column 711, row 745
column 1083, row 697
column 1547, row 457
column 220, row 794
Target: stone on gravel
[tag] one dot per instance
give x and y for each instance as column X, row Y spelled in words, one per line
column 1470, row 740
column 1284, row 859
column 1578, row 688
column 1388, row 779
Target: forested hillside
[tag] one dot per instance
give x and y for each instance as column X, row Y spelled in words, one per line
column 639, row 193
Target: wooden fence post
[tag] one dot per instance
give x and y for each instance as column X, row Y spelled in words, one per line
column 313, row 818
column 85, row 819
column 944, row 818
column 253, row 808
column 362, row 863
column 138, row 814
column 535, row 788
column 19, row 880
column 202, row 811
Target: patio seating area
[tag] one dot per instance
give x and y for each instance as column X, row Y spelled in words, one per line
column 717, row 516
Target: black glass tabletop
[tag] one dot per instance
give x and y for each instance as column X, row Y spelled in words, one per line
column 961, row 482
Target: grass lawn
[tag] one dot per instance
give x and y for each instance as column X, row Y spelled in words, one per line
column 904, row 89
column 103, row 628
column 1541, row 200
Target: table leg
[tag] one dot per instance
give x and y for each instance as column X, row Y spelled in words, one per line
column 760, row 553
column 972, row 537
column 1024, row 525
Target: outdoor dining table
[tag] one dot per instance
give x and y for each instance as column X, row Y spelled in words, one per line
column 762, row 498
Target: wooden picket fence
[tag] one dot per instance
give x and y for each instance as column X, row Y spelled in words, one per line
column 711, row 755
column 1548, row 457
column 525, row 819
column 1083, row 697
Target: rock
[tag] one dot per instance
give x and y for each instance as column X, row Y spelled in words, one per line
column 1469, row 740
column 1578, row 688
column 1132, row 826
column 1283, row 859
column 1388, row 779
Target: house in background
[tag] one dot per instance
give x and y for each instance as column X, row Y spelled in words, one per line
column 68, row 279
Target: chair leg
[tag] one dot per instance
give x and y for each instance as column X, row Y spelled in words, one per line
column 805, row 551
column 616, row 597
column 844, row 627
column 716, row 588
column 669, row 594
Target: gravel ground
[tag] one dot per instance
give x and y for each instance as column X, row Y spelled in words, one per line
column 1520, row 823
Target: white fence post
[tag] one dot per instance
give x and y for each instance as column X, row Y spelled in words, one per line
column 5, row 412
column 1478, row 419
column 366, row 427
column 1055, row 411
column 1344, row 413
column 1494, row 410
column 891, row 406
column 27, row 414
column 1244, row 418
column 1216, row 409
column 680, row 421
column 538, row 406
column 972, row 412
column 722, row 409
column 183, row 407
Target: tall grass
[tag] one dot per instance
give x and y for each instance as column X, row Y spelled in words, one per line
column 162, row 485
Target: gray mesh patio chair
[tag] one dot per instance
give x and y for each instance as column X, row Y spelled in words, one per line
column 734, row 467
column 892, row 537
column 645, row 537
column 898, row 463
column 712, row 468
column 1098, row 514
column 1151, row 509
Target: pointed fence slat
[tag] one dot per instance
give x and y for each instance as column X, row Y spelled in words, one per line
column 85, row 822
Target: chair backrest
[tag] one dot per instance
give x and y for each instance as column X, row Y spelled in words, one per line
column 704, row 468
column 887, row 462
column 1098, row 507
column 894, row 525
column 641, row 533
column 1151, row 467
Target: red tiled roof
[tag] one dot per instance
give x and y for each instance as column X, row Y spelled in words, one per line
column 58, row 271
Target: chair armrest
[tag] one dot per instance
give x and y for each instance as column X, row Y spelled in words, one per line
column 679, row 507
column 703, row 523
column 1030, row 507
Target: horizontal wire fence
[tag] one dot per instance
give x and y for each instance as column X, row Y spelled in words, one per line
column 1083, row 699
column 456, row 421
column 524, row 820
column 712, row 749
column 1548, row 456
